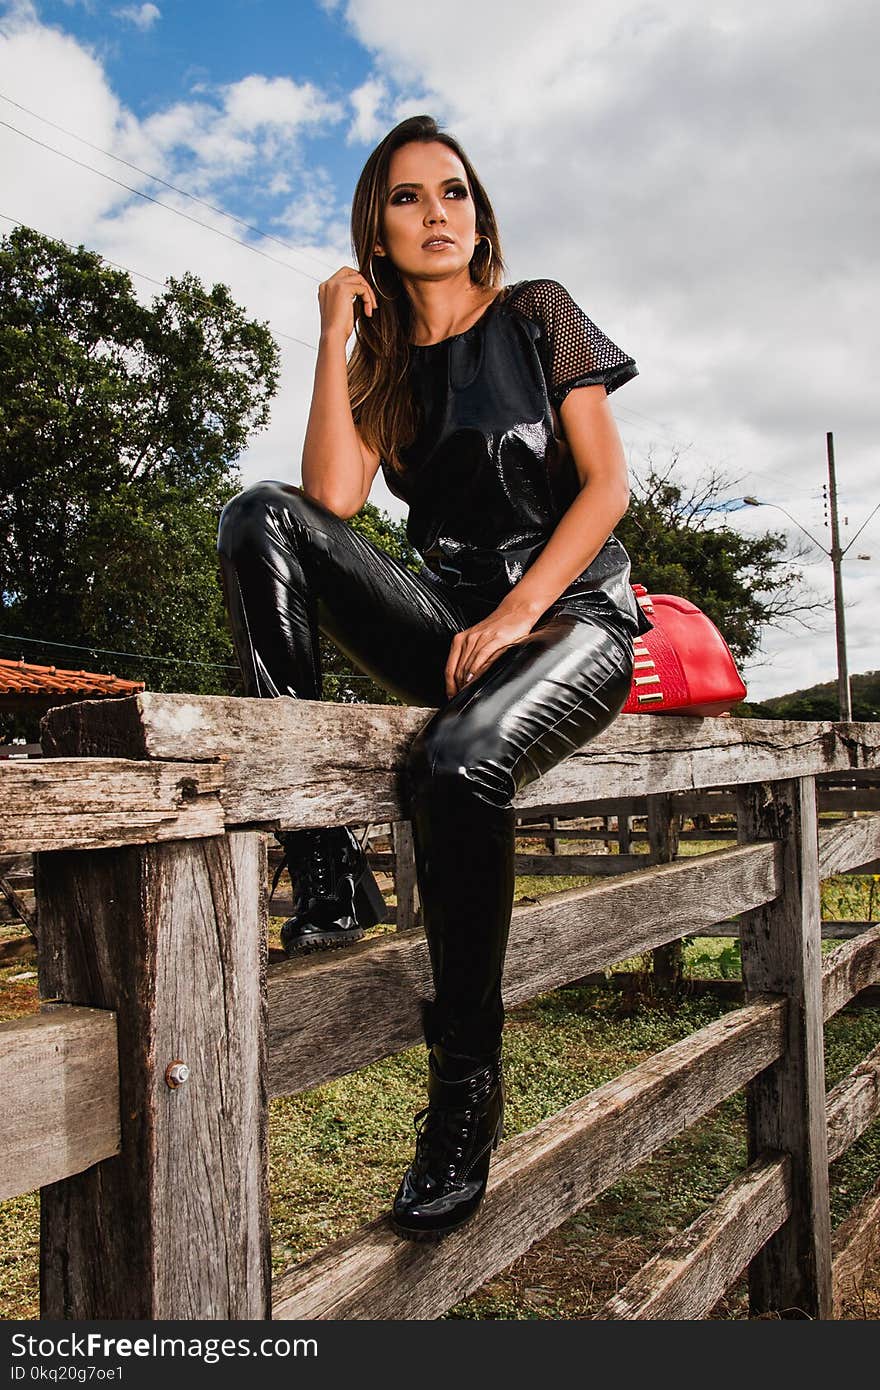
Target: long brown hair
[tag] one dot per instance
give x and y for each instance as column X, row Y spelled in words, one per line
column 381, row 401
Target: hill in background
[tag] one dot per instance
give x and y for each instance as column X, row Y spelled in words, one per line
column 818, row 701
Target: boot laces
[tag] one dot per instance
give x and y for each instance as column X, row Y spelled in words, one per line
column 443, row 1133
column 312, row 868
column 316, row 874
column 442, row 1136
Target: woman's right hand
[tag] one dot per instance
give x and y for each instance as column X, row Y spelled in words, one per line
column 336, row 298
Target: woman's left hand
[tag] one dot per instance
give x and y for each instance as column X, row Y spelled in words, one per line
column 476, row 647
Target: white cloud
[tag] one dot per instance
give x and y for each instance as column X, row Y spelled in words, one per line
column 257, row 102
column 143, row 17
column 306, row 214
column 702, row 176
column 18, row 14
column 253, row 124
column 197, row 145
column 368, row 126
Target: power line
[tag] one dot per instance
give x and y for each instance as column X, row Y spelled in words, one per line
column 170, row 660
column 748, row 472
column 631, row 416
column 637, row 424
column 156, row 178
column 142, row 276
column 105, row 651
column 178, row 212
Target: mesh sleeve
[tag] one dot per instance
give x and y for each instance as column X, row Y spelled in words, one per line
column 575, row 351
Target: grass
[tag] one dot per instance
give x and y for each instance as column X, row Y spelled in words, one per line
column 337, row 1152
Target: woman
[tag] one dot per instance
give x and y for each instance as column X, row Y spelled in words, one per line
column 518, row 627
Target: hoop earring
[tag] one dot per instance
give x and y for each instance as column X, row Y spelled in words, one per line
column 376, row 283
column 483, row 237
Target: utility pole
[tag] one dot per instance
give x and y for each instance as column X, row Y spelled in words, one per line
column 835, row 554
column 844, row 699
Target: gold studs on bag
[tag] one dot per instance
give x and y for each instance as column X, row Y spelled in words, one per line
column 645, row 662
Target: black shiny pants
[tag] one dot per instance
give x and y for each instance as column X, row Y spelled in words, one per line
column 291, row 568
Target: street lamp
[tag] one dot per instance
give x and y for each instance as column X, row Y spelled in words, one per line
column 835, row 554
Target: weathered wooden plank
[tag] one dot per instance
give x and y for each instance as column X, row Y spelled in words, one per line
column 849, row 843
column 312, row 762
column 692, row 1271
column 85, row 803
column 538, row 1179
column 853, row 1104
column 664, row 826
column 578, row 865
column 842, row 846
column 863, row 799
column 548, row 865
column 851, row 967
column 855, row 1246
column 59, row 1096
column 17, row 948
column 406, row 887
column 8, row 912
column 781, row 954
column 331, row 1014
column 17, row 907
column 173, row 938
column 832, row 929
column 872, row 867
column 612, row 837
column 720, row 801
column 686, row 1278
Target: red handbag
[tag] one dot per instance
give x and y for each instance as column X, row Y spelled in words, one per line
column 683, row 665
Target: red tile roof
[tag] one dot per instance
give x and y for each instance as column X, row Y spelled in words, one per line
column 21, row 678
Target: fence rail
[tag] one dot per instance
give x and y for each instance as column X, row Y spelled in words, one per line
column 147, row 819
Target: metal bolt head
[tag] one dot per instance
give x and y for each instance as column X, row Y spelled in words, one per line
column 176, row 1073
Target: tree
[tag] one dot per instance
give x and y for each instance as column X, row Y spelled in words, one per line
column 120, row 426
column 679, row 544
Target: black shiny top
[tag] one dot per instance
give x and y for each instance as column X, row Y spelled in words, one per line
column 488, row 475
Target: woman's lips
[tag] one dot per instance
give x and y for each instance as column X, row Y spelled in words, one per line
column 438, row 246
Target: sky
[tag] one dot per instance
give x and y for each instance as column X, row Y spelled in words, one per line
column 701, row 175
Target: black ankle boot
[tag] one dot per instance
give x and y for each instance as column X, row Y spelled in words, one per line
column 336, row 896
column 463, row 1123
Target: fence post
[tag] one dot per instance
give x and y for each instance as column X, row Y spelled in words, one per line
column 624, row 832
column 406, row 887
column 782, row 954
column 663, row 827
column 173, row 938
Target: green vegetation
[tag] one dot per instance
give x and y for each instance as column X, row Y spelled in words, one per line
column 337, row 1152
column 680, row 544
column 120, row 424
column 820, row 701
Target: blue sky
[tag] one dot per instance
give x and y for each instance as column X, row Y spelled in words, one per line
column 155, row 56
column 700, row 174
column 156, row 61
column 194, row 43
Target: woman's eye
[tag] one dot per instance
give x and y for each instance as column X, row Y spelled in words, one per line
column 459, row 189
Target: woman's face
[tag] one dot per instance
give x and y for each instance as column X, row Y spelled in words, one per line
column 428, row 196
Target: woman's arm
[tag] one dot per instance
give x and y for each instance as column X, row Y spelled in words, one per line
column 579, row 536
column 584, row 528
column 333, row 460
column 337, row 469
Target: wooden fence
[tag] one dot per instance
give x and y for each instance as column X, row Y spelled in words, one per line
column 163, row 1032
